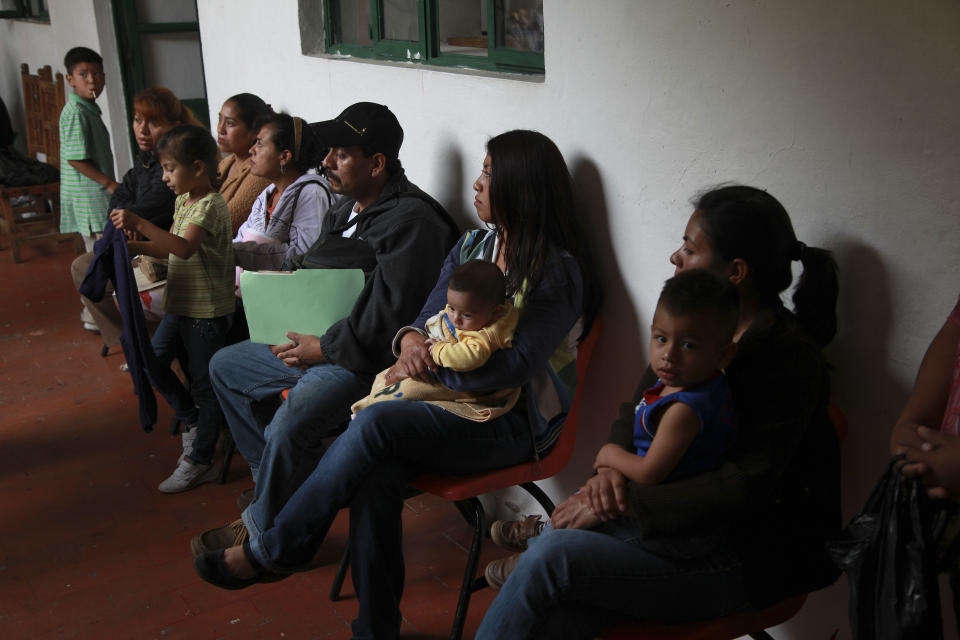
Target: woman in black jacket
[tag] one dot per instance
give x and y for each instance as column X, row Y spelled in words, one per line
column 744, row 536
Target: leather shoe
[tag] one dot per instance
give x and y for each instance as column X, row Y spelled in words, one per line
column 512, row 535
column 224, row 537
column 212, row 568
column 500, row 569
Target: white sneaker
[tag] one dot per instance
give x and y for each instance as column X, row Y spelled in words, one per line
column 187, row 437
column 188, row 475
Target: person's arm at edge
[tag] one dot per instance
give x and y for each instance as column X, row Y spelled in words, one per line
column 928, row 399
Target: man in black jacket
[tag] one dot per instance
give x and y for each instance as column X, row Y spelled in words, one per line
column 400, row 236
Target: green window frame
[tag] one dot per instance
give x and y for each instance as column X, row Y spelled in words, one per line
column 427, row 50
column 27, row 10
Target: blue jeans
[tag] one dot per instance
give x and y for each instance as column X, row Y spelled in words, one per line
column 574, row 583
column 284, row 452
column 193, row 341
column 367, row 469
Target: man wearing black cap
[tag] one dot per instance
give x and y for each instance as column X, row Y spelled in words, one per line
column 399, row 236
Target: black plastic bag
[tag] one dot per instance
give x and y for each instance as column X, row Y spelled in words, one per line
column 889, row 552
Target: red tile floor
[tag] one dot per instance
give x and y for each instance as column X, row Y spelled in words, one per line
column 90, row 549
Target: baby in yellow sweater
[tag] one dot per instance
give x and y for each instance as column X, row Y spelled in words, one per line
column 477, row 320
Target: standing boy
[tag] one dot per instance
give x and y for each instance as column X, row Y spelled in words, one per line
column 86, row 161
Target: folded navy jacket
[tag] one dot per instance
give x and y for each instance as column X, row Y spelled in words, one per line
column 112, row 263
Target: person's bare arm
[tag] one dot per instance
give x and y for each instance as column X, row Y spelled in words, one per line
column 676, row 429
column 90, row 170
column 162, row 243
column 927, row 401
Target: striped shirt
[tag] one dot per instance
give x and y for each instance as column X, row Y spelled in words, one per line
column 202, row 285
column 84, row 204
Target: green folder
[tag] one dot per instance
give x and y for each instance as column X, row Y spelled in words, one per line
column 305, row 301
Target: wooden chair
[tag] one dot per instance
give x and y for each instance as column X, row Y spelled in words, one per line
column 464, row 489
column 31, row 214
column 753, row 623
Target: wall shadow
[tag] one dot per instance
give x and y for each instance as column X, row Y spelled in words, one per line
column 453, row 192
column 620, row 358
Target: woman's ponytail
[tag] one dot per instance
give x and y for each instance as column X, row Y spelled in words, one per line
column 815, row 298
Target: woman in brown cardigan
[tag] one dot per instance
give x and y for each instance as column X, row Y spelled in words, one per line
column 235, row 135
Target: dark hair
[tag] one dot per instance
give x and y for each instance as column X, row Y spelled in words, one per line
column 309, row 155
column 249, row 108
column 699, row 291
column 482, row 279
column 158, row 103
column 532, row 204
column 750, row 224
column 393, row 165
column 188, row 143
column 81, row 54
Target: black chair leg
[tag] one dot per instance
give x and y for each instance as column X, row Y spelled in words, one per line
column 229, row 446
column 104, row 351
column 534, row 490
column 473, row 559
column 341, row 574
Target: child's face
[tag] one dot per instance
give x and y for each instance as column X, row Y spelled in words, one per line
column 177, row 176
column 467, row 313
column 87, row 80
column 685, row 350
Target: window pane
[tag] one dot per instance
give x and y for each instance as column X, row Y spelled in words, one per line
column 520, row 24
column 463, row 27
column 400, row 21
column 9, row 5
column 172, row 60
column 351, row 19
column 149, row 11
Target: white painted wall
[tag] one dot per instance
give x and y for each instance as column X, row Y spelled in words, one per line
column 87, row 23
column 844, row 109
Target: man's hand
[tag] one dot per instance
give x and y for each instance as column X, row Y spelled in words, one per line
column 302, row 351
column 414, row 361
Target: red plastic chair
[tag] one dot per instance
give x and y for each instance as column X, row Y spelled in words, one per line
column 746, row 623
column 463, row 490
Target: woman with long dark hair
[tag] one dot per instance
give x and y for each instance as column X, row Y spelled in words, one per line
column 744, row 536
column 236, row 132
column 524, row 192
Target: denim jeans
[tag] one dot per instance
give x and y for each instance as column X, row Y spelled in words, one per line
column 284, row 452
column 193, row 341
column 367, row 469
column 573, row 583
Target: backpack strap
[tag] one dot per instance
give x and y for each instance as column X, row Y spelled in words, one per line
column 300, row 186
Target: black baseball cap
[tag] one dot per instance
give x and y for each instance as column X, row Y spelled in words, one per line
column 363, row 124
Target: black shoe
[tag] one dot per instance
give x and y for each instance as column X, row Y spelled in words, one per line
column 210, row 566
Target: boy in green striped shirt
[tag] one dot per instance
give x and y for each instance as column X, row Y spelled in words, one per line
column 86, row 161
